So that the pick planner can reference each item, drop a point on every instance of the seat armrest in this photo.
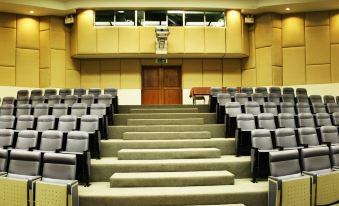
(58, 150)
(32, 148)
(30, 129)
(304, 145)
(8, 146)
(10, 128)
(327, 143)
(309, 173)
(280, 148)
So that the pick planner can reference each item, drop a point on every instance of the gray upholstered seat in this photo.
(3, 160)
(53, 99)
(275, 90)
(98, 109)
(329, 134)
(302, 91)
(215, 90)
(69, 100)
(285, 138)
(288, 90)
(23, 109)
(303, 107)
(95, 91)
(79, 92)
(111, 91)
(286, 120)
(323, 119)
(337, 99)
(308, 136)
(306, 120)
(232, 109)
(223, 98)
(6, 109)
(288, 98)
(59, 109)
(22, 93)
(319, 108)
(335, 155)
(315, 159)
(67, 123)
(232, 91)
(270, 107)
(328, 99)
(245, 124)
(287, 107)
(274, 97)
(37, 100)
(261, 139)
(266, 121)
(6, 137)
(22, 100)
(258, 97)
(24, 122)
(26, 139)
(105, 99)
(301, 98)
(35, 92)
(247, 90)
(79, 109)
(87, 99)
(242, 98)
(315, 99)
(45, 122)
(252, 108)
(40, 109)
(49, 92)
(336, 118)
(89, 123)
(8, 100)
(59, 166)
(77, 142)
(51, 140)
(332, 108)
(24, 164)
(64, 92)
(7, 122)
(279, 160)
(262, 90)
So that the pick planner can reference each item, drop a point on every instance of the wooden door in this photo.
(161, 85)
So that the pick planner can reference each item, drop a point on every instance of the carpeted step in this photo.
(126, 108)
(110, 148)
(165, 110)
(217, 130)
(186, 121)
(166, 135)
(158, 154)
(121, 119)
(243, 191)
(172, 179)
(102, 169)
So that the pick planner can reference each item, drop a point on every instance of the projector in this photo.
(69, 19)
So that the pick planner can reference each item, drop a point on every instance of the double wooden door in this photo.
(161, 85)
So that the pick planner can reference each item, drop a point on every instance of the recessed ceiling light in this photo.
(288, 9)
(31, 12)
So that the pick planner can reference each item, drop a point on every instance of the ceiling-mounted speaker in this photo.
(69, 19)
(249, 19)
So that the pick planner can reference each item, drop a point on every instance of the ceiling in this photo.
(64, 7)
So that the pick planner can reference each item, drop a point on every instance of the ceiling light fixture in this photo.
(288, 9)
(31, 12)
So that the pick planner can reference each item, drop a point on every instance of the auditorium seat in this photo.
(51, 141)
(7, 122)
(262, 90)
(23, 109)
(222, 99)
(318, 108)
(274, 97)
(329, 135)
(64, 92)
(315, 99)
(275, 90)
(49, 92)
(252, 108)
(37, 100)
(24, 122)
(247, 90)
(22, 100)
(45, 122)
(258, 97)
(306, 120)
(59, 109)
(288, 98)
(335, 117)
(301, 98)
(232, 109)
(335, 156)
(287, 107)
(99, 110)
(245, 124)
(79, 92)
(232, 91)
(6, 138)
(286, 139)
(106, 99)
(328, 99)
(95, 91)
(242, 98)
(53, 99)
(266, 121)
(288, 90)
(40, 109)
(79, 109)
(286, 120)
(301, 91)
(89, 123)
(67, 123)
(8, 100)
(6, 109)
(337, 99)
(303, 107)
(213, 98)
(323, 119)
(308, 136)
(36, 92)
(332, 108)
(22, 93)
(87, 99)
(27, 139)
(111, 91)
(270, 107)
(69, 100)
(3, 161)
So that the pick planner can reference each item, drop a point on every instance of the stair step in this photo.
(126, 108)
(220, 205)
(164, 110)
(186, 121)
(156, 154)
(166, 135)
(172, 179)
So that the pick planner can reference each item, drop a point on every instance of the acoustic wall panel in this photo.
(212, 73)
(57, 39)
(147, 40)
(264, 66)
(86, 34)
(8, 44)
(335, 62)
(130, 74)
(231, 72)
(7, 20)
(58, 73)
(334, 27)
(317, 45)
(249, 62)
(73, 79)
(214, 40)
(110, 65)
(71, 63)
(277, 78)
(45, 22)
(107, 40)
(194, 39)
(28, 32)
(191, 73)
(129, 40)
(7, 76)
(293, 30)
(276, 47)
(294, 66)
(176, 40)
(263, 31)
(90, 73)
(276, 21)
(110, 78)
(317, 18)
(234, 31)
(318, 74)
(249, 77)
(45, 53)
(27, 68)
(45, 77)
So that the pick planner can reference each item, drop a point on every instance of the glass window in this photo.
(125, 18)
(155, 18)
(194, 18)
(175, 18)
(215, 19)
(104, 18)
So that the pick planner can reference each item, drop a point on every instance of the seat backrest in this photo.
(35, 92)
(23, 162)
(77, 141)
(252, 108)
(67, 123)
(323, 119)
(332, 108)
(329, 134)
(22, 93)
(59, 166)
(98, 109)
(306, 120)
(7, 121)
(23, 109)
(315, 158)
(275, 90)
(105, 99)
(287, 107)
(40, 109)
(88, 99)
(270, 107)
(231, 90)
(49, 92)
(337, 99)
(288, 98)
(54, 99)
(64, 92)
(266, 121)
(8, 100)
(69, 100)
(24, 122)
(6, 137)
(261, 139)
(308, 135)
(286, 120)
(303, 107)
(37, 100)
(26, 139)
(233, 109)
(95, 91)
(301, 91)
(242, 98)
(274, 97)
(316, 99)
(51, 140)
(89, 123)
(45, 122)
(215, 90)
(6, 109)
(223, 98)
(288, 90)
(301, 98)
(328, 99)
(79, 92)
(335, 155)
(79, 109)
(335, 118)
(319, 108)
(285, 137)
(59, 110)
(284, 163)
(258, 97)
(247, 90)
(22, 100)
(245, 121)
(111, 91)
(262, 90)
(3, 160)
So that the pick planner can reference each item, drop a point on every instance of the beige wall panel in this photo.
(74, 38)
(86, 34)
(194, 39)
(58, 39)
(335, 62)
(110, 65)
(215, 40)
(129, 40)
(45, 78)
(7, 48)
(58, 68)
(249, 63)
(277, 57)
(231, 72)
(318, 74)
(317, 18)
(277, 75)
(107, 40)
(27, 68)
(334, 27)
(90, 73)
(245, 40)
(147, 39)
(7, 76)
(45, 23)
(234, 39)
(45, 53)
(57, 24)
(264, 66)
(249, 78)
(191, 73)
(110, 78)
(130, 74)
(317, 45)
(7, 20)
(176, 40)
(73, 79)
(263, 31)
(212, 73)
(294, 66)
(276, 21)
(28, 32)
(293, 30)
(71, 63)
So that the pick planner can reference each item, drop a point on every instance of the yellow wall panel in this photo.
(45, 77)
(294, 66)
(28, 32)
(57, 24)
(334, 27)
(212, 73)
(90, 73)
(231, 72)
(86, 34)
(45, 22)
(276, 21)
(130, 74)
(293, 30)
(58, 39)
(45, 54)
(73, 79)
(147, 39)
(7, 20)
(318, 74)
(74, 37)
(7, 48)
(7, 76)
(191, 73)
(110, 78)
(176, 40)
(317, 18)
(27, 68)
(71, 63)
(107, 40)
(214, 40)
(263, 31)
(129, 40)
(249, 78)
(335, 62)
(264, 66)
(276, 48)
(317, 45)
(110, 65)
(194, 39)
(234, 39)
(277, 75)
(249, 62)
(58, 68)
